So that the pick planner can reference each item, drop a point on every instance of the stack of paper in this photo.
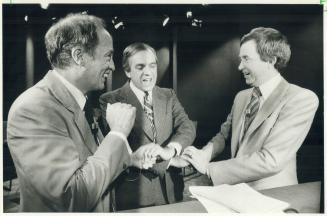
(236, 198)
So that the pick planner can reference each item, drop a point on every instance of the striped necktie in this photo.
(148, 109)
(252, 108)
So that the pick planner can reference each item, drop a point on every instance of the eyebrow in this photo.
(109, 52)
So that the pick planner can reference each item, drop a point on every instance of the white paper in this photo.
(240, 198)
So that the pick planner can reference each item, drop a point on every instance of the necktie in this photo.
(148, 109)
(88, 111)
(252, 108)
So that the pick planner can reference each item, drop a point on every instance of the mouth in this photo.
(246, 73)
(147, 80)
(105, 76)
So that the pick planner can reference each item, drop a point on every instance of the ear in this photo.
(77, 55)
(128, 74)
(273, 61)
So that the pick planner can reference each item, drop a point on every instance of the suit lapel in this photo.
(141, 121)
(240, 106)
(63, 95)
(269, 106)
(159, 108)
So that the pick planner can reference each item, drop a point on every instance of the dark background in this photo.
(207, 57)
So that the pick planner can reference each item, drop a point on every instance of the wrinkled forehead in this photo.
(143, 56)
(248, 48)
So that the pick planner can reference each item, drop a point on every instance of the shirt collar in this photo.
(268, 87)
(139, 93)
(76, 93)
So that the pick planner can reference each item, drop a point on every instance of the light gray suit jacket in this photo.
(59, 166)
(266, 156)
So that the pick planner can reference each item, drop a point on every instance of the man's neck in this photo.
(72, 75)
(268, 76)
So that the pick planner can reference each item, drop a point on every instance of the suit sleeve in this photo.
(285, 138)
(184, 129)
(219, 141)
(104, 100)
(51, 164)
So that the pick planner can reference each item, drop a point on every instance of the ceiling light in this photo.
(166, 20)
(189, 14)
(44, 5)
(117, 23)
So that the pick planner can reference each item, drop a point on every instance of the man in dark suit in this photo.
(59, 164)
(161, 125)
(268, 122)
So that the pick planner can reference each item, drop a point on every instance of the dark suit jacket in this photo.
(59, 166)
(266, 156)
(172, 125)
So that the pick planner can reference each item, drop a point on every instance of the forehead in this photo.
(249, 48)
(105, 40)
(144, 56)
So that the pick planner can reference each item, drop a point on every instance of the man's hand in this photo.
(121, 117)
(179, 162)
(153, 150)
(198, 158)
(140, 161)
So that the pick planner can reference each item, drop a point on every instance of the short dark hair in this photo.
(134, 48)
(270, 43)
(72, 30)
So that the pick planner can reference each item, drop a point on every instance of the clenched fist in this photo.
(121, 117)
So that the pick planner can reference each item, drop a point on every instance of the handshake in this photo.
(121, 118)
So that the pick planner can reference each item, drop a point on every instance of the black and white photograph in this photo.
(163, 107)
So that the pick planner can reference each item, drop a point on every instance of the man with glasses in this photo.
(267, 123)
(161, 126)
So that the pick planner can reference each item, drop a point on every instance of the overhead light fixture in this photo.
(44, 5)
(117, 23)
(196, 23)
(166, 20)
(26, 18)
(189, 14)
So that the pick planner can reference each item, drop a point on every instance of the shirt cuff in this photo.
(123, 137)
(176, 146)
(207, 172)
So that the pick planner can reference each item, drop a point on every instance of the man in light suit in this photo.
(268, 122)
(59, 164)
(161, 126)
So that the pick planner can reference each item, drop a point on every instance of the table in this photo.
(303, 197)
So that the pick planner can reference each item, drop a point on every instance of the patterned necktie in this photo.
(88, 111)
(252, 109)
(148, 109)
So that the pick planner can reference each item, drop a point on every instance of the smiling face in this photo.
(99, 66)
(255, 70)
(143, 70)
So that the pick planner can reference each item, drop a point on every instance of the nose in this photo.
(147, 71)
(240, 66)
(112, 65)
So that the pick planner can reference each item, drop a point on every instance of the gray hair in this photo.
(270, 43)
(73, 30)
